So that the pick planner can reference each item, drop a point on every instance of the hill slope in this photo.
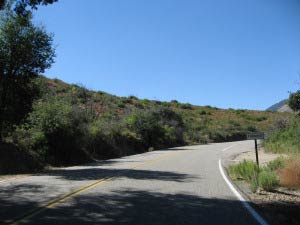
(202, 123)
(70, 124)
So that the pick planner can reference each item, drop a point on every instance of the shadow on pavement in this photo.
(16, 199)
(132, 207)
(281, 212)
(99, 173)
(21, 189)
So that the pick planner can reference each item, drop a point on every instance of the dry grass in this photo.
(290, 174)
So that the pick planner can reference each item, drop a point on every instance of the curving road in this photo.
(178, 186)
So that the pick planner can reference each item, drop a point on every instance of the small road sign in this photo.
(256, 136)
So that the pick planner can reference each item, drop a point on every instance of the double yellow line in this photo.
(63, 198)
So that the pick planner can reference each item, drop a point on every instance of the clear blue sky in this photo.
(225, 53)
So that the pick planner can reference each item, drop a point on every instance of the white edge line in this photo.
(240, 197)
(225, 149)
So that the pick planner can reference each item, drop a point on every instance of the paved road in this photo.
(179, 186)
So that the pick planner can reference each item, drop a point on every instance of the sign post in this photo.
(256, 152)
(255, 137)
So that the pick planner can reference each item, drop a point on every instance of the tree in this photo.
(25, 52)
(157, 128)
(21, 6)
(294, 101)
(2, 4)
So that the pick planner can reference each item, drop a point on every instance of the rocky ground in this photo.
(281, 207)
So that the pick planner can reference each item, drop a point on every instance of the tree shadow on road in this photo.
(148, 208)
(17, 198)
(280, 212)
(99, 173)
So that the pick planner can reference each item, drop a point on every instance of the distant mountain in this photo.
(281, 106)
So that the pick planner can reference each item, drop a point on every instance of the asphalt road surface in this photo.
(179, 186)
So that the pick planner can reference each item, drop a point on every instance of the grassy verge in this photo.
(283, 172)
(258, 177)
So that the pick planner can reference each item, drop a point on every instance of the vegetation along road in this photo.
(184, 185)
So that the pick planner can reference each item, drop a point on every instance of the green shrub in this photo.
(82, 94)
(55, 130)
(276, 164)
(108, 139)
(156, 128)
(246, 170)
(240, 111)
(165, 104)
(139, 105)
(257, 177)
(132, 97)
(285, 139)
(261, 118)
(234, 123)
(57, 81)
(121, 105)
(254, 184)
(31, 140)
(144, 104)
(157, 102)
(61, 89)
(101, 93)
(268, 180)
(251, 129)
(294, 101)
(147, 125)
(127, 100)
(185, 106)
(202, 112)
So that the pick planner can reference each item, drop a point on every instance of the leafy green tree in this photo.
(25, 52)
(2, 4)
(157, 128)
(55, 130)
(22, 7)
(148, 126)
(294, 101)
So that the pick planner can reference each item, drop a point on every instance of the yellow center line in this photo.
(63, 198)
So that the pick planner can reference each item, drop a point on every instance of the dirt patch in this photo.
(264, 157)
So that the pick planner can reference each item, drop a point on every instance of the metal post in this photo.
(256, 152)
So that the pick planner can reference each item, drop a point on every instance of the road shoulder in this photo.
(280, 207)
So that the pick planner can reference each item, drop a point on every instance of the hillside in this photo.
(280, 107)
(210, 119)
(70, 124)
(202, 123)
